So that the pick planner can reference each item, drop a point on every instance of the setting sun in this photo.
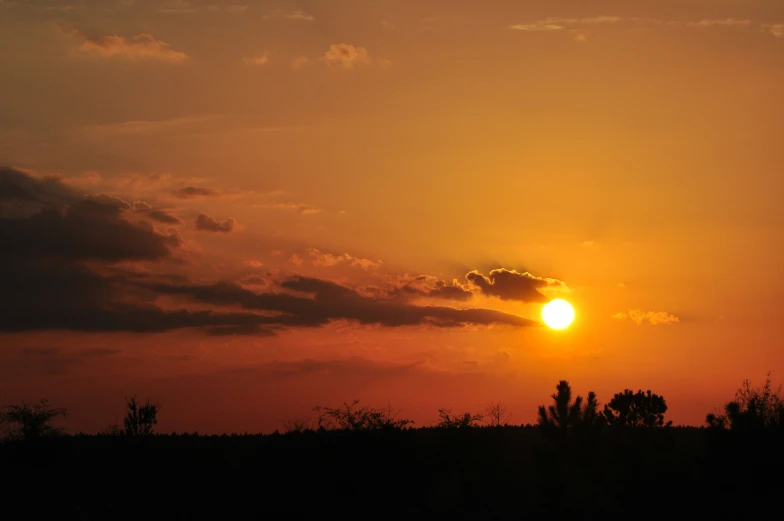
(558, 314)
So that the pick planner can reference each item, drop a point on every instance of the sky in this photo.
(247, 209)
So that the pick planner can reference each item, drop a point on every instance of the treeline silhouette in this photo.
(353, 461)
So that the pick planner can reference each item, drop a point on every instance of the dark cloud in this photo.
(511, 285)
(155, 214)
(209, 224)
(108, 200)
(22, 195)
(59, 255)
(324, 301)
(432, 287)
(192, 192)
(47, 295)
(61, 225)
(162, 217)
(45, 280)
(84, 231)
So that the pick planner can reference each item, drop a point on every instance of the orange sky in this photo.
(247, 209)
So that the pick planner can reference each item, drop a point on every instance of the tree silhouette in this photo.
(351, 417)
(31, 421)
(754, 408)
(566, 415)
(457, 421)
(640, 409)
(140, 418)
(497, 414)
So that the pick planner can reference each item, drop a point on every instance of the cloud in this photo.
(346, 56)
(512, 285)
(140, 46)
(653, 318)
(79, 262)
(92, 228)
(297, 15)
(258, 60)
(193, 192)
(325, 301)
(208, 224)
(776, 30)
(302, 209)
(579, 24)
(537, 26)
(107, 199)
(52, 252)
(725, 22)
(185, 7)
(162, 217)
(318, 258)
(557, 24)
(432, 287)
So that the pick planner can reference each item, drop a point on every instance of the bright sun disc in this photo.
(558, 314)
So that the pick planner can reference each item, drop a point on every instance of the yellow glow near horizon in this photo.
(558, 314)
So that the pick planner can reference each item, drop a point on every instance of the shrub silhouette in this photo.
(351, 417)
(457, 421)
(754, 408)
(566, 415)
(31, 421)
(140, 418)
(640, 409)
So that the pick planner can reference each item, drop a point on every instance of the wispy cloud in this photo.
(132, 127)
(303, 209)
(725, 22)
(557, 24)
(776, 30)
(185, 7)
(140, 46)
(207, 223)
(319, 258)
(347, 56)
(575, 24)
(258, 60)
(653, 318)
(297, 15)
(192, 192)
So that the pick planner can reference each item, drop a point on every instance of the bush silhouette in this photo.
(458, 421)
(640, 409)
(351, 417)
(31, 421)
(754, 408)
(140, 418)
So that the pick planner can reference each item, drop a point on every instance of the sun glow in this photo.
(558, 314)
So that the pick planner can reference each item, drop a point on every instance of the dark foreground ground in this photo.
(474, 473)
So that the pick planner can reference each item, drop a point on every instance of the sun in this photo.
(558, 314)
